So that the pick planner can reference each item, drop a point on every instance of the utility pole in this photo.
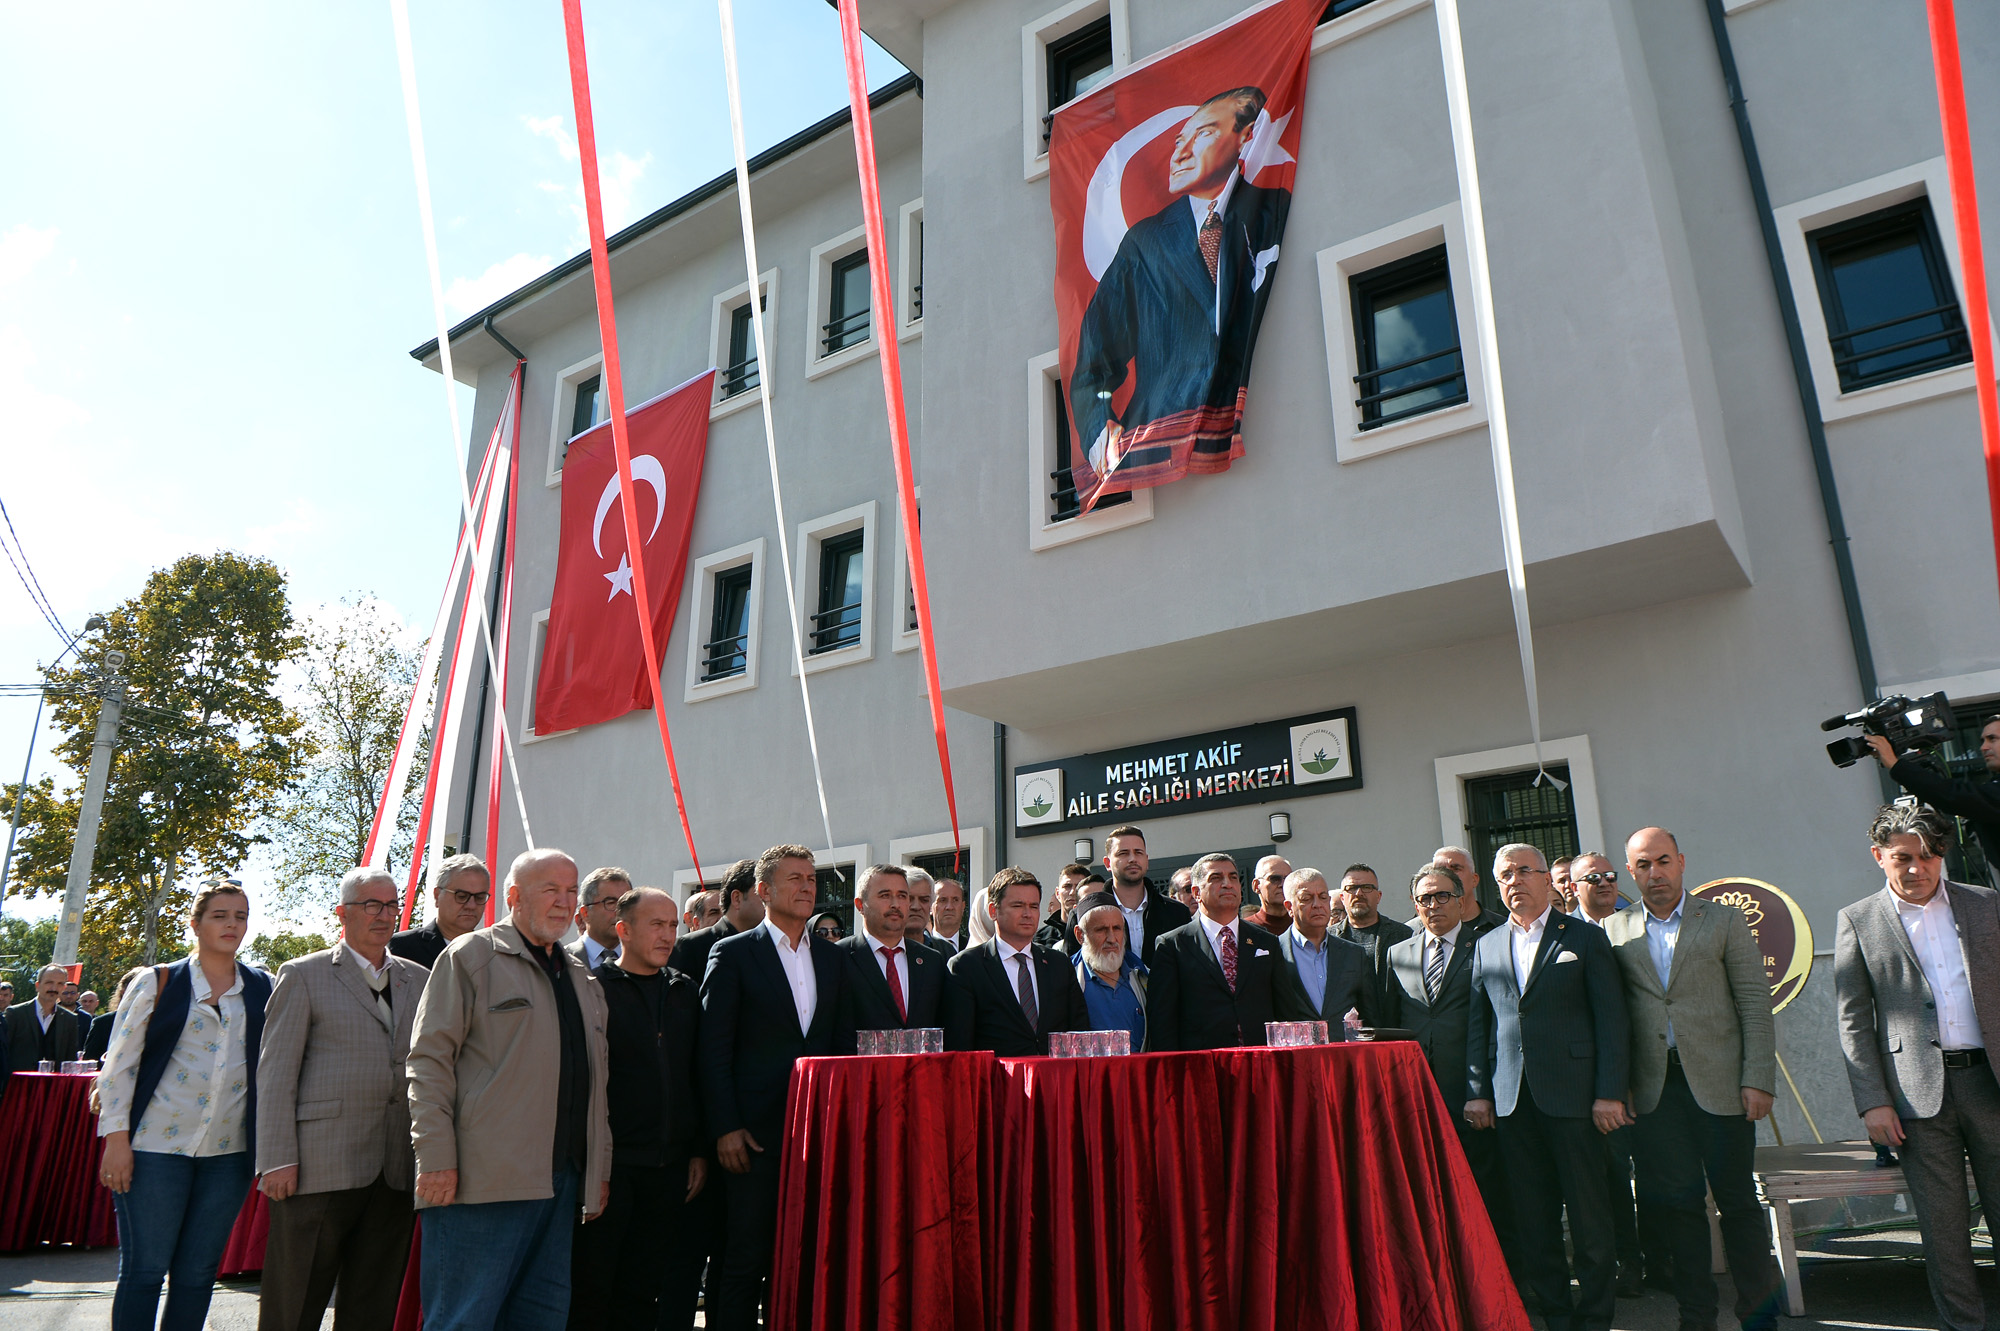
(110, 708)
(94, 623)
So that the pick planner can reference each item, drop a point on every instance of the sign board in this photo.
(1306, 755)
(1779, 926)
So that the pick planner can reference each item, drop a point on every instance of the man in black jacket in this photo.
(1978, 802)
(1149, 913)
(1014, 992)
(1217, 980)
(42, 1029)
(891, 982)
(742, 911)
(464, 886)
(652, 1014)
(1361, 894)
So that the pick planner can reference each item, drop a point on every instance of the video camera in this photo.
(1921, 723)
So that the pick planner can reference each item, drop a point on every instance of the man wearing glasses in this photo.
(464, 886)
(597, 916)
(1596, 884)
(1273, 914)
(333, 1119)
(1361, 894)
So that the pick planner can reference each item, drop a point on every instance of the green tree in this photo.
(25, 947)
(272, 950)
(206, 748)
(352, 683)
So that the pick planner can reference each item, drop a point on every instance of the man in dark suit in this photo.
(1216, 980)
(464, 886)
(1013, 991)
(1547, 1048)
(1149, 913)
(742, 911)
(947, 917)
(1916, 974)
(770, 997)
(1180, 302)
(1430, 995)
(596, 939)
(1326, 975)
(1361, 894)
(42, 1028)
(891, 982)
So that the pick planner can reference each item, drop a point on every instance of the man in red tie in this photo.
(1214, 980)
(892, 983)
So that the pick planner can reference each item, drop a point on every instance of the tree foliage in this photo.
(206, 748)
(272, 950)
(351, 685)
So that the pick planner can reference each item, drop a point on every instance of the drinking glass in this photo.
(45, 1065)
(870, 1042)
(930, 1040)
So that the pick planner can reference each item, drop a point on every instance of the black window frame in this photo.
(1366, 292)
(840, 331)
(739, 375)
(832, 627)
(1068, 56)
(1339, 7)
(917, 258)
(727, 655)
(588, 392)
(1914, 217)
(836, 884)
(1063, 503)
(1486, 832)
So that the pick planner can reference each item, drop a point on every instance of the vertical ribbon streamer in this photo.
(440, 719)
(727, 16)
(892, 381)
(1971, 252)
(1459, 107)
(493, 769)
(614, 387)
(399, 15)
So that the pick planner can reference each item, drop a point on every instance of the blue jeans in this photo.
(173, 1224)
(492, 1265)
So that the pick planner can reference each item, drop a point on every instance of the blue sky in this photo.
(211, 272)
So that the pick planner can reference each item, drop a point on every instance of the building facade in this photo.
(1691, 629)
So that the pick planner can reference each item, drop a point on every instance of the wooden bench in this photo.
(1787, 1174)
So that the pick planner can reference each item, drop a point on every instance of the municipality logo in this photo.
(1038, 797)
(1320, 752)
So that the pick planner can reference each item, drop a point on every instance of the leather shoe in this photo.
(1631, 1284)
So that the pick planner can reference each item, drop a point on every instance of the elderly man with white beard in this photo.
(1113, 980)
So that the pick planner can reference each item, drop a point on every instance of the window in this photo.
(579, 405)
(1509, 807)
(917, 287)
(1891, 310)
(910, 270)
(1339, 7)
(732, 340)
(584, 412)
(937, 853)
(726, 651)
(847, 304)
(838, 873)
(538, 638)
(739, 375)
(1077, 63)
(1064, 54)
(837, 622)
(1063, 503)
(1053, 513)
(1406, 340)
(906, 637)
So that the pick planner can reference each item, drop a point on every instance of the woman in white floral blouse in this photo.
(177, 1109)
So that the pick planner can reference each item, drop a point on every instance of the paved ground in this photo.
(1864, 1283)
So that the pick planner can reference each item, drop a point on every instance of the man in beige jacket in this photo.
(1704, 1070)
(508, 1110)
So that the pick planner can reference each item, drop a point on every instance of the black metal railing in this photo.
(916, 302)
(1948, 335)
(836, 627)
(1063, 501)
(740, 377)
(724, 657)
(846, 331)
(1370, 403)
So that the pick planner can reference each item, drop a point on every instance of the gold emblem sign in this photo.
(1783, 937)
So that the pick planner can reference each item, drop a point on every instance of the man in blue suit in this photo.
(1546, 1047)
(771, 997)
(1180, 303)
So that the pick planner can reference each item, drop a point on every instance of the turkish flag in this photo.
(593, 664)
(1170, 185)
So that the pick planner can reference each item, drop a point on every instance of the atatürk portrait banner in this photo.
(1170, 184)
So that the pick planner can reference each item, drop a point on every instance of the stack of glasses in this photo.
(1089, 1044)
(922, 1040)
(1294, 1034)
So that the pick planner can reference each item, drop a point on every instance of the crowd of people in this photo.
(591, 1131)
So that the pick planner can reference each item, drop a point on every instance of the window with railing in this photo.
(740, 374)
(1508, 807)
(1339, 7)
(726, 653)
(1406, 340)
(1891, 308)
(1063, 502)
(837, 621)
(917, 268)
(847, 304)
(583, 413)
(1077, 63)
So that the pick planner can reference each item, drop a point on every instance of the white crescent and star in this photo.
(647, 468)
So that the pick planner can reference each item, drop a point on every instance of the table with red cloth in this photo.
(1242, 1188)
(49, 1151)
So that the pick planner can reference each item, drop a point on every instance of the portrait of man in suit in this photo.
(1177, 310)
(1015, 992)
(42, 1029)
(1327, 975)
(892, 983)
(1219, 978)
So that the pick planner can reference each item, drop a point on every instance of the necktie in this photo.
(895, 981)
(1228, 942)
(1210, 239)
(1025, 987)
(1434, 969)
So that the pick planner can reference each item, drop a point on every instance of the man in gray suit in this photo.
(333, 1121)
(1916, 973)
(1704, 1070)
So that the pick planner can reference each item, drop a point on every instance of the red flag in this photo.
(1170, 185)
(593, 664)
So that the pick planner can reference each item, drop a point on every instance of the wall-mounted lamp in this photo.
(1082, 849)
(1281, 827)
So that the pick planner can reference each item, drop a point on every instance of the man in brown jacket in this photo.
(508, 1110)
(333, 1121)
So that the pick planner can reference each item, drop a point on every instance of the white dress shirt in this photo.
(797, 959)
(1527, 944)
(1215, 932)
(1013, 970)
(46, 1017)
(1201, 209)
(198, 1107)
(1934, 937)
(902, 958)
(368, 968)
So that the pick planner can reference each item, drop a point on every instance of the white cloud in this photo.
(551, 128)
(22, 248)
(618, 178)
(468, 294)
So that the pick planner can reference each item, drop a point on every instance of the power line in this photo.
(25, 571)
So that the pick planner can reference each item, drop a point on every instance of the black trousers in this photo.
(1683, 1153)
(1552, 1163)
(628, 1267)
(1482, 1152)
(358, 1238)
(750, 1202)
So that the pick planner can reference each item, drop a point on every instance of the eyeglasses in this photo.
(1594, 879)
(374, 908)
(1513, 871)
(469, 898)
(1435, 900)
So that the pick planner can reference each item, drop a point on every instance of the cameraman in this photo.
(1978, 802)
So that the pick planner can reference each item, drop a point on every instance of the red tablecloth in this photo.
(49, 1150)
(1254, 1188)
